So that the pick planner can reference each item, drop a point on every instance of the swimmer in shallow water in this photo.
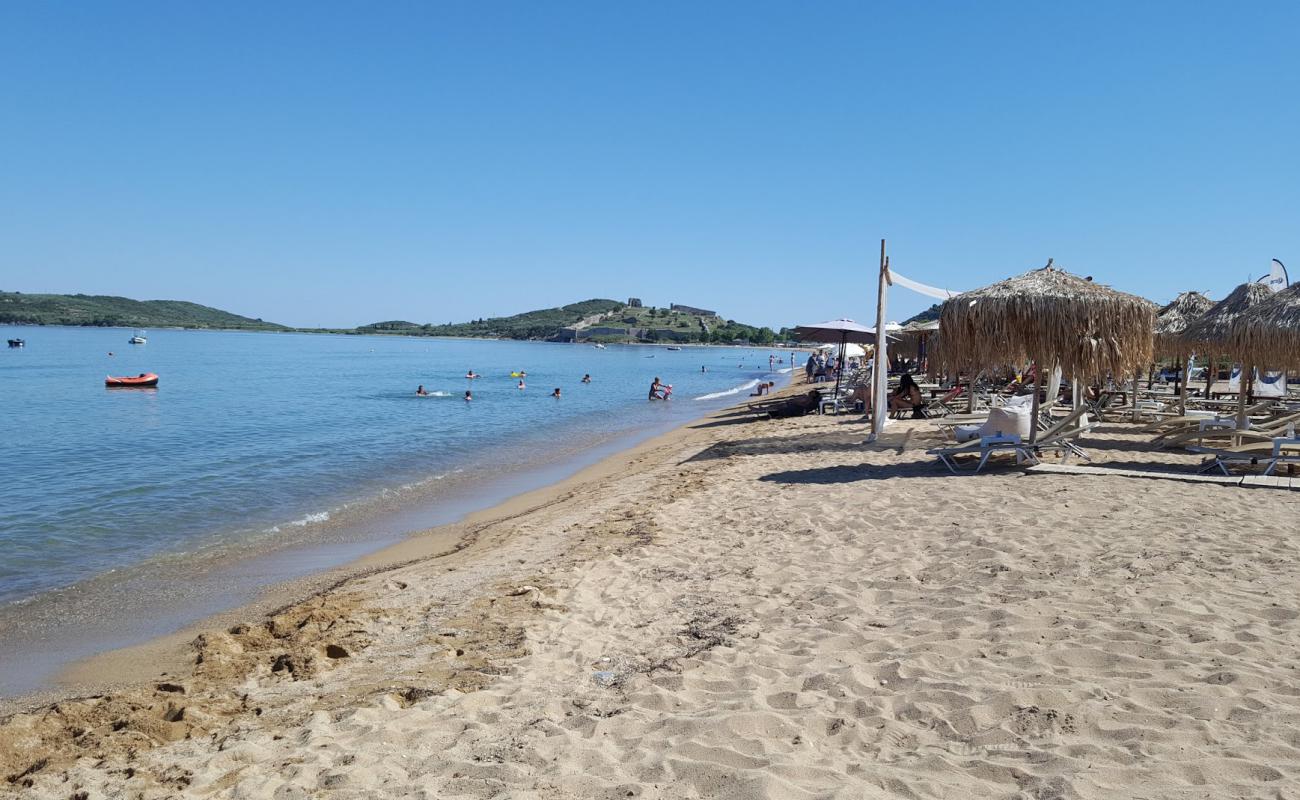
(556, 393)
(419, 390)
(468, 395)
(521, 385)
(586, 378)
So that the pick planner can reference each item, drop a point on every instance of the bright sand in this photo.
(763, 609)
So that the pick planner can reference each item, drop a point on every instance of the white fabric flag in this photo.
(920, 288)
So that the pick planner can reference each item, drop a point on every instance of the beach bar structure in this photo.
(1050, 318)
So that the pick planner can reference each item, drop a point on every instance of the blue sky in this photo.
(340, 163)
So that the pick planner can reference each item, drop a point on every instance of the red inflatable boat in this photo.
(143, 379)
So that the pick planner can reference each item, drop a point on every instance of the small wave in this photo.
(744, 387)
(311, 519)
(784, 370)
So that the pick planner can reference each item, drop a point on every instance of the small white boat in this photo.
(139, 338)
(598, 346)
(674, 348)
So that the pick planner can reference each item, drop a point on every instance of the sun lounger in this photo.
(984, 447)
(1061, 435)
(1228, 429)
(1192, 419)
(1281, 450)
(939, 406)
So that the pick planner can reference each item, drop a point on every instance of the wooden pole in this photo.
(1182, 387)
(880, 378)
(1211, 372)
(1243, 389)
(1136, 374)
(1033, 414)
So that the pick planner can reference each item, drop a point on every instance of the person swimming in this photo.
(468, 395)
(521, 385)
(586, 378)
(556, 393)
(419, 390)
(471, 375)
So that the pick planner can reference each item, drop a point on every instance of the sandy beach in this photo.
(744, 609)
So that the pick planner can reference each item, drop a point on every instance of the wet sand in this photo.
(743, 609)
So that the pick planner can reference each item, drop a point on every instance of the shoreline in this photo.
(120, 667)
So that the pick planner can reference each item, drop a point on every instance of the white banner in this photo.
(921, 288)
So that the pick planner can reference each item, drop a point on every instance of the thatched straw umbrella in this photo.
(913, 339)
(1269, 333)
(1172, 320)
(1050, 317)
(1213, 333)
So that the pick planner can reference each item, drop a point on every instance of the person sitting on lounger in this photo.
(907, 397)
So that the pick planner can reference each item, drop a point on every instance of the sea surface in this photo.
(262, 456)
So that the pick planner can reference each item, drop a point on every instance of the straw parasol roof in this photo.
(1268, 334)
(1213, 329)
(1174, 318)
(1048, 316)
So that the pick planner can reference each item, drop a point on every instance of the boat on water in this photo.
(17, 343)
(674, 348)
(598, 346)
(139, 338)
(143, 380)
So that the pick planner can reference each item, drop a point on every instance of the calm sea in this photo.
(312, 446)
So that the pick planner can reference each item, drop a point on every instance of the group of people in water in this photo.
(420, 391)
(658, 389)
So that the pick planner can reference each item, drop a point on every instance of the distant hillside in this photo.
(541, 324)
(593, 320)
(17, 308)
(929, 315)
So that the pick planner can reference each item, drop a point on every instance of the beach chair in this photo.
(1061, 435)
(1281, 450)
(941, 406)
(984, 447)
(1227, 428)
(1192, 420)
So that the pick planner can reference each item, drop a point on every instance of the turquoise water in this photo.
(257, 440)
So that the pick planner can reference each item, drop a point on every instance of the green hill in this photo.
(17, 308)
(592, 320)
(541, 324)
(929, 315)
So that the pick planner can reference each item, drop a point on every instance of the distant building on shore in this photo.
(634, 302)
(703, 312)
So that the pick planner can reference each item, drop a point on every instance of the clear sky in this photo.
(327, 163)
